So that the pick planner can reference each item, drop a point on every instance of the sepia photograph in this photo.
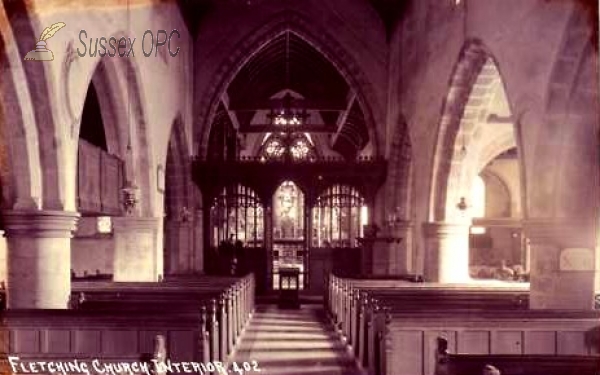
(299, 187)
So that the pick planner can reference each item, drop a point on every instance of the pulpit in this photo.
(289, 287)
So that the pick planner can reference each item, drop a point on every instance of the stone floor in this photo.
(293, 342)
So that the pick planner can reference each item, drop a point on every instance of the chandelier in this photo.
(288, 112)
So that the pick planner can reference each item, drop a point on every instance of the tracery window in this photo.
(302, 149)
(237, 213)
(338, 217)
(273, 149)
(298, 146)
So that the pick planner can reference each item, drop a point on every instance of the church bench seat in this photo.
(65, 335)
(393, 328)
(407, 339)
(229, 301)
(349, 297)
(511, 364)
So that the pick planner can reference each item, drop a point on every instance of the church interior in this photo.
(375, 187)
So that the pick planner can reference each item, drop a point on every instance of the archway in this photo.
(100, 172)
(476, 127)
(288, 111)
(319, 47)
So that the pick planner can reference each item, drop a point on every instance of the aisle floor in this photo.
(294, 342)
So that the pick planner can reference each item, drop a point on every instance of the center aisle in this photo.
(293, 342)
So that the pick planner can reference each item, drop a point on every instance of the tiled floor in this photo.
(293, 342)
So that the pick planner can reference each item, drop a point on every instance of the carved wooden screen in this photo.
(237, 212)
(338, 217)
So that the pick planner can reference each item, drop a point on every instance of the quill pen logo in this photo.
(41, 53)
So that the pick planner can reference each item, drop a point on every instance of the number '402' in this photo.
(245, 367)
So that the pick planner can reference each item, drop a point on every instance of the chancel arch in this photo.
(323, 53)
(289, 126)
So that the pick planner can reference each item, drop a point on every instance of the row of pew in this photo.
(196, 320)
(393, 325)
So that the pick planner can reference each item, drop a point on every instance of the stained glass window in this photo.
(297, 145)
(302, 149)
(273, 148)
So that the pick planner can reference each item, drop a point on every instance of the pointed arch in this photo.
(20, 151)
(318, 38)
(457, 140)
(51, 149)
(566, 162)
(121, 104)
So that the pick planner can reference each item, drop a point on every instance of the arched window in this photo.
(288, 207)
(237, 213)
(338, 217)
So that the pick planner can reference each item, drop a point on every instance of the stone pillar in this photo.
(563, 264)
(447, 252)
(39, 258)
(137, 253)
(179, 245)
(384, 254)
(401, 250)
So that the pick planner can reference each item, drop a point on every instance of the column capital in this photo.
(561, 231)
(40, 223)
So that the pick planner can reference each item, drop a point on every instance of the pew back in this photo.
(60, 335)
(392, 325)
(510, 364)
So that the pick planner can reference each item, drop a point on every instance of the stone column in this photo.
(402, 250)
(564, 264)
(447, 252)
(39, 258)
(137, 252)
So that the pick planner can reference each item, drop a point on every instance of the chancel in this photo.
(381, 187)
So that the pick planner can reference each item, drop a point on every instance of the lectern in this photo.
(289, 287)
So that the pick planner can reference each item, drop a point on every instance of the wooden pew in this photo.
(507, 364)
(353, 300)
(228, 302)
(65, 335)
(377, 324)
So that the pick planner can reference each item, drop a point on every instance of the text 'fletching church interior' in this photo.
(373, 187)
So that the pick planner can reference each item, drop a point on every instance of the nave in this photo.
(290, 342)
